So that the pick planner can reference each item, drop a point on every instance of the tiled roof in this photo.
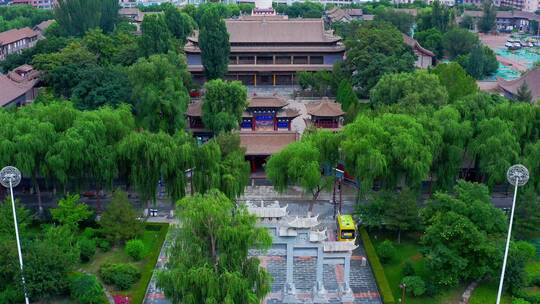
(14, 35)
(266, 102)
(14, 85)
(324, 108)
(42, 26)
(266, 143)
(415, 45)
(288, 112)
(532, 79)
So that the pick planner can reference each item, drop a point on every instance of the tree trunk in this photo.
(399, 236)
(38, 192)
(315, 196)
(213, 251)
(98, 202)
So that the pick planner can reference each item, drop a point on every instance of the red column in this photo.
(289, 124)
(253, 123)
(275, 123)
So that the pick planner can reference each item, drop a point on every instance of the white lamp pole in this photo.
(11, 177)
(518, 176)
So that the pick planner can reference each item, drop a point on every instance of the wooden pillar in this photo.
(274, 79)
(253, 123)
(255, 79)
(252, 163)
(292, 79)
(275, 122)
(289, 124)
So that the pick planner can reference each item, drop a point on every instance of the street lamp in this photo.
(518, 176)
(11, 177)
(403, 287)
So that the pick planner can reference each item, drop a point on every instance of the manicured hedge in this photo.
(151, 258)
(378, 270)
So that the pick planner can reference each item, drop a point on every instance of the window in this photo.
(300, 60)
(316, 60)
(246, 60)
(265, 60)
(283, 59)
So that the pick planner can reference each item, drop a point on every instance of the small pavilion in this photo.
(511, 87)
(325, 114)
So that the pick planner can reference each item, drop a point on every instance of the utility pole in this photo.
(11, 177)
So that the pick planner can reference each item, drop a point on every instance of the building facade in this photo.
(18, 87)
(16, 40)
(270, 50)
(44, 4)
(510, 88)
(508, 21)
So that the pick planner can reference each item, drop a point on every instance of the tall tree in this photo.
(487, 22)
(155, 37)
(409, 90)
(119, 222)
(158, 91)
(524, 93)
(70, 212)
(456, 81)
(527, 224)
(432, 40)
(179, 23)
(346, 95)
(214, 43)
(458, 42)
(375, 49)
(223, 105)
(75, 17)
(209, 261)
(402, 21)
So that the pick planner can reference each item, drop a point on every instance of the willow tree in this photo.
(153, 156)
(223, 105)
(75, 17)
(209, 261)
(33, 140)
(214, 43)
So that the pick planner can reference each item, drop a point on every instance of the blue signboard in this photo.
(283, 124)
(246, 124)
(264, 117)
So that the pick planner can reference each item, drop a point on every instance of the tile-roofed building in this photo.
(338, 14)
(509, 20)
(16, 40)
(18, 87)
(531, 78)
(424, 57)
(44, 4)
(265, 143)
(269, 50)
(326, 114)
(41, 27)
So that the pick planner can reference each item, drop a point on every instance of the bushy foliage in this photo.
(386, 251)
(86, 289)
(135, 249)
(415, 285)
(119, 222)
(120, 275)
(87, 248)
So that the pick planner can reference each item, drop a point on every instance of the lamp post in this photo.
(517, 175)
(403, 287)
(11, 177)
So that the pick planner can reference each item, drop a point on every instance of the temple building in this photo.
(325, 114)
(267, 49)
(265, 129)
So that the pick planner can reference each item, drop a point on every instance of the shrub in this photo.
(104, 245)
(520, 301)
(408, 269)
(87, 249)
(88, 233)
(135, 249)
(120, 275)
(378, 270)
(386, 251)
(415, 285)
(85, 289)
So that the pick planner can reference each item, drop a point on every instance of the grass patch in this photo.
(153, 238)
(486, 292)
(409, 251)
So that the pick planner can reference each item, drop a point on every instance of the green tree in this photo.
(223, 105)
(70, 211)
(459, 42)
(462, 234)
(496, 148)
(456, 81)
(150, 157)
(214, 44)
(86, 289)
(155, 37)
(75, 17)
(439, 16)
(179, 23)
(527, 220)
(215, 247)
(346, 95)
(467, 22)
(375, 49)
(402, 21)
(119, 222)
(487, 22)
(432, 40)
(516, 276)
(409, 90)
(524, 93)
(159, 94)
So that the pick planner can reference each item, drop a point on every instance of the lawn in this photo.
(153, 238)
(486, 292)
(408, 250)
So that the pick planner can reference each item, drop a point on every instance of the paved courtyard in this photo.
(362, 282)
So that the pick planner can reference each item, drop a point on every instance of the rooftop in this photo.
(42, 26)
(532, 79)
(266, 143)
(324, 108)
(14, 35)
(16, 83)
(266, 102)
(415, 45)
